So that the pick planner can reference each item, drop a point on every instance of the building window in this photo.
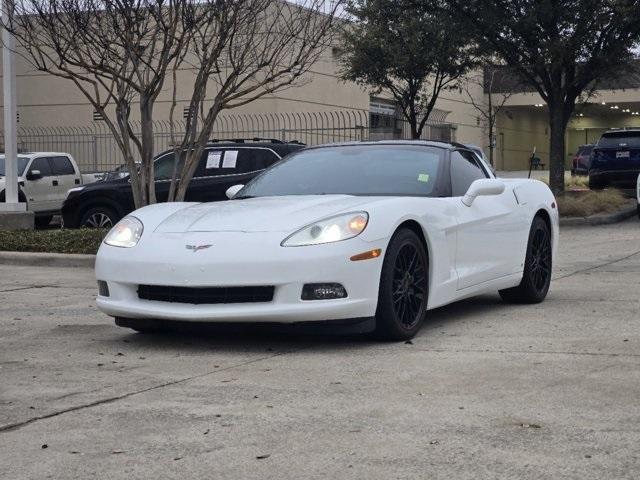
(186, 113)
(383, 118)
(97, 116)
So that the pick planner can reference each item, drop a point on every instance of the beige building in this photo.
(54, 115)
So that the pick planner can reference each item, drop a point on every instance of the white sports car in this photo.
(367, 235)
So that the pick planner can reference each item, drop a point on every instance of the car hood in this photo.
(262, 214)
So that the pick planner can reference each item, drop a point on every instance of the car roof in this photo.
(426, 143)
(39, 154)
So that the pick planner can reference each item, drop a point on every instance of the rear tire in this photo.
(99, 217)
(595, 184)
(404, 288)
(536, 277)
(43, 221)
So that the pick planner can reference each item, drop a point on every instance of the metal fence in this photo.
(94, 148)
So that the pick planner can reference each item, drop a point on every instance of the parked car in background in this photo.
(615, 160)
(44, 179)
(223, 164)
(582, 160)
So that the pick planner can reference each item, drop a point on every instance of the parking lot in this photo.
(486, 390)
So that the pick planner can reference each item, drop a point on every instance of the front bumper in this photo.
(625, 179)
(238, 259)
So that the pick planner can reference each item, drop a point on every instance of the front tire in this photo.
(536, 277)
(43, 221)
(404, 288)
(99, 217)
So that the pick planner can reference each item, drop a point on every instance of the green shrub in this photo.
(84, 240)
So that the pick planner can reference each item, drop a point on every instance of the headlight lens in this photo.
(332, 229)
(125, 234)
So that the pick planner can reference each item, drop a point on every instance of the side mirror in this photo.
(34, 175)
(233, 191)
(484, 187)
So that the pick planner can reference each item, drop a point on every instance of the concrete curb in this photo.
(47, 259)
(599, 219)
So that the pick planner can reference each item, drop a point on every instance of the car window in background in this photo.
(585, 150)
(352, 170)
(163, 167)
(42, 165)
(465, 170)
(236, 161)
(22, 164)
(62, 166)
(620, 139)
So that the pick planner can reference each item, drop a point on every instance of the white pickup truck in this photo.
(44, 179)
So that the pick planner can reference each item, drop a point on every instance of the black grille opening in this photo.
(206, 295)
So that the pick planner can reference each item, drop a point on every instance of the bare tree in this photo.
(239, 54)
(490, 104)
(117, 54)
(121, 54)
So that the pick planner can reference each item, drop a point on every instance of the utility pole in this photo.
(13, 214)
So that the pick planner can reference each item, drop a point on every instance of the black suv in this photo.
(615, 161)
(223, 164)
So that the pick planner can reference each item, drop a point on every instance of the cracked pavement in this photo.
(486, 390)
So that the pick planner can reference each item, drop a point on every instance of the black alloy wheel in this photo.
(536, 277)
(404, 288)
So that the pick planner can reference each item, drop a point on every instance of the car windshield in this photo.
(620, 139)
(22, 164)
(352, 170)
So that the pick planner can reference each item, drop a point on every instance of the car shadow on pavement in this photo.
(253, 337)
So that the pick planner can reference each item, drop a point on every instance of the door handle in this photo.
(77, 182)
(55, 183)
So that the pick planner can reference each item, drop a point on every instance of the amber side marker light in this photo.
(367, 255)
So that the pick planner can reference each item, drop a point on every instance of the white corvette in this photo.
(370, 235)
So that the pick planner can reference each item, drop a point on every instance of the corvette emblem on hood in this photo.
(196, 248)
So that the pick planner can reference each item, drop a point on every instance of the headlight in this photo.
(125, 234)
(332, 229)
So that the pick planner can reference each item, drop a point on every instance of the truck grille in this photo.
(206, 295)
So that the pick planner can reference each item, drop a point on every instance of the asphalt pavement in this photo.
(486, 390)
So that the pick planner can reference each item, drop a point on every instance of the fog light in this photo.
(323, 291)
(103, 288)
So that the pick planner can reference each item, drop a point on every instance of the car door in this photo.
(40, 190)
(65, 178)
(489, 231)
(221, 168)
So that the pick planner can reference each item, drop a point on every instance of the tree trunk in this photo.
(491, 144)
(146, 134)
(413, 123)
(558, 127)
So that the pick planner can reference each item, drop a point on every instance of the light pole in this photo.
(11, 209)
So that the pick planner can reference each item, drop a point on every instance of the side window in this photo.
(163, 167)
(230, 161)
(211, 163)
(464, 171)
(247, 159)
(41, 164)
(62, 166)
(264, 159)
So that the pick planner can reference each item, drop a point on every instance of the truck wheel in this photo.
(595, 184)
(98, 217)
(43, 221)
